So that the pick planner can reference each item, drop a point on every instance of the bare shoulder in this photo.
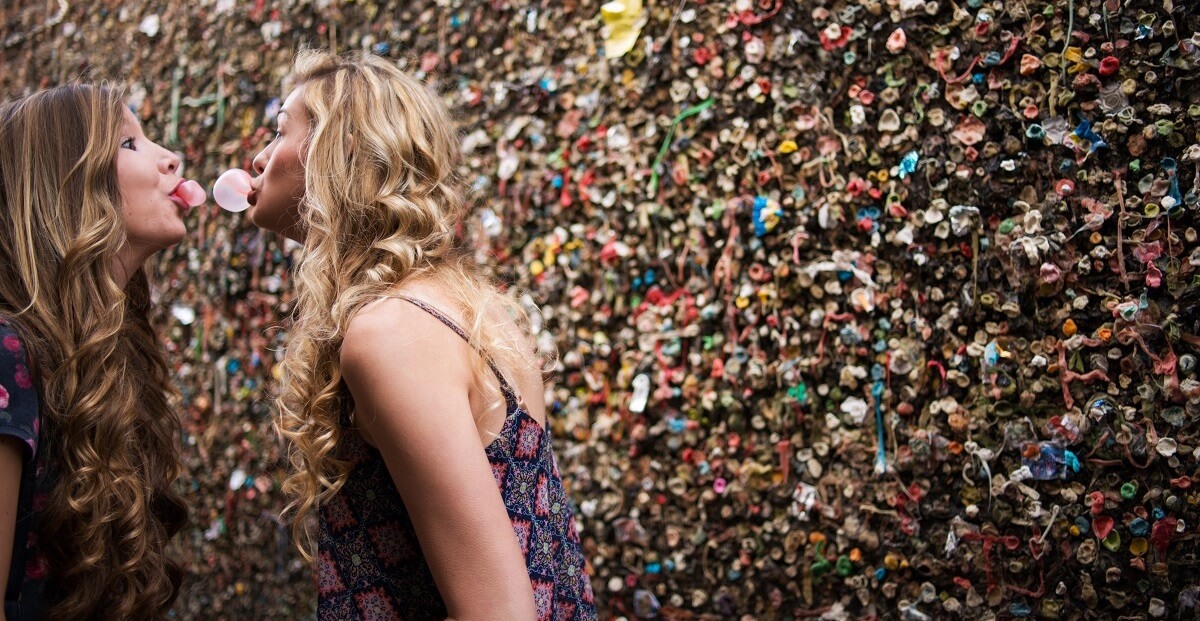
(394, 332)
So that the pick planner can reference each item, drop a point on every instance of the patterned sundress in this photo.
(370, 564)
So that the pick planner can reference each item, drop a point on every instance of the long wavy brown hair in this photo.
(108, 431)
(379, 208)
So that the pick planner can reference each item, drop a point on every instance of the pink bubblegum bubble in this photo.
(231, 189)
(191, 193)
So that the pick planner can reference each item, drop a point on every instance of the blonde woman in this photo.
(411, 397)
(88, 444)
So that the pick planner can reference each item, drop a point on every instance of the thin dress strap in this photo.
(511, 399)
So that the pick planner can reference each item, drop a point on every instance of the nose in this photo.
(259, 164)
(170, 162)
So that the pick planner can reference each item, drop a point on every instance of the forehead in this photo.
(128, 120)
(293, 108)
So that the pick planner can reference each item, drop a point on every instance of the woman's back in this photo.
(369, 558)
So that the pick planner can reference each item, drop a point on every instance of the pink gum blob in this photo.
(191, 193)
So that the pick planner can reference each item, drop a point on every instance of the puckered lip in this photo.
(174, 195)
(252, 197)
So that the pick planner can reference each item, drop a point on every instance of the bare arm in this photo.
(409, 376)
(12, 460)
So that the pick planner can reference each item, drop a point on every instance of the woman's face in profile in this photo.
(148, 175)
(279, 187)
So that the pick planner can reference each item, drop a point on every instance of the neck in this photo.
(126, 264)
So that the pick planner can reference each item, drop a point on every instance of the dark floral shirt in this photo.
(20, 419)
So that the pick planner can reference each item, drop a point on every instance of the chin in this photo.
(273, 222)
(253, 213)
(169, 242)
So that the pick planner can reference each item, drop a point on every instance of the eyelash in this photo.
(128, 144)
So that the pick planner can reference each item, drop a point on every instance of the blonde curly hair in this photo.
(382, 205)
